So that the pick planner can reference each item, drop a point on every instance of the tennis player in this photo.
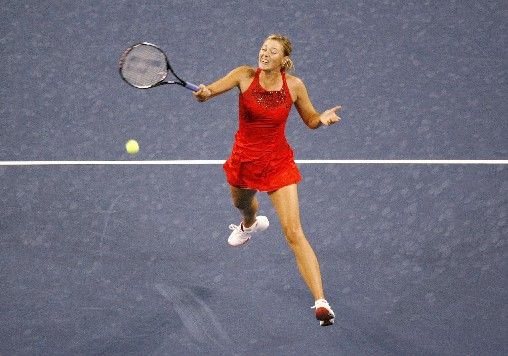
(262, 159)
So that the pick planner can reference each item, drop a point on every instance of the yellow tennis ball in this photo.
(132, 147)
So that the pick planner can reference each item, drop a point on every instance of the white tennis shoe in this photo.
(241, 235)
(324, 312)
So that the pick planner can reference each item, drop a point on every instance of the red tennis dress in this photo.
(261, 157)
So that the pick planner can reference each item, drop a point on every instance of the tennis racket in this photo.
(144, 66)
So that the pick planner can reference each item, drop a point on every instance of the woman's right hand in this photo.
(203, 94)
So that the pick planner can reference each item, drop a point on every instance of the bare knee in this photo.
(242, 198)
(294, 234)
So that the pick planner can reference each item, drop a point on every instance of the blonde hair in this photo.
(287, 48)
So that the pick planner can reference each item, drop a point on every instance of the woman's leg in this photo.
(245, 200)
(285, 202)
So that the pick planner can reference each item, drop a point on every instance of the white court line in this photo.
(216, 162)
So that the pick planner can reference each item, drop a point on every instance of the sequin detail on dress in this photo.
(270, 99)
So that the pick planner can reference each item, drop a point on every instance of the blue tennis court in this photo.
(115, 259)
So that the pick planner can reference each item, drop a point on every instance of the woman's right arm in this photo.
(231, 80)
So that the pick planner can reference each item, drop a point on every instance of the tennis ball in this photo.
(132, 147)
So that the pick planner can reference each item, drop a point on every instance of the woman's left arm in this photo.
(309, 115)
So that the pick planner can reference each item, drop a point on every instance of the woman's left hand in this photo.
(329, 117)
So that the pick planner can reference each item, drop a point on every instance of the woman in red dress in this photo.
(261, 158)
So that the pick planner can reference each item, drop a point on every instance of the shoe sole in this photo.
(243, 243)
(324, 317)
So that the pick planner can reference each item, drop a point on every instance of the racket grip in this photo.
(191, 86)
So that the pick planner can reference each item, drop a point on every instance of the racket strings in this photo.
(143, 66)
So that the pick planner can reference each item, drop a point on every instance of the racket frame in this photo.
(164, 80)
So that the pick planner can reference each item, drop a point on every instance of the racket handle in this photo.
(191, 86)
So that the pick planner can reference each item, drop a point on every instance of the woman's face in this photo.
(271, 56)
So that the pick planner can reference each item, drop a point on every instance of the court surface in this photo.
(113, 259)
